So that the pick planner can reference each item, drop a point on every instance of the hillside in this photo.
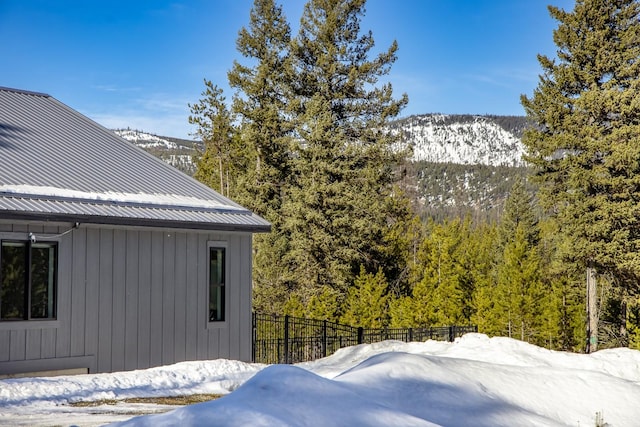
(177, 152)
(461, 164)
(464, 139)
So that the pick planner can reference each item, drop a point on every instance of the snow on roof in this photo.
(164, 200)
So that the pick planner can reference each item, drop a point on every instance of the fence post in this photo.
(254, 337)
(286, 339)
(360, 334)
(410, 335)
(324, 338)
(451, 333)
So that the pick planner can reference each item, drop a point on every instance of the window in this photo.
(28, 273)
(216, 284)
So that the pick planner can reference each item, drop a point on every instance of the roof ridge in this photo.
(25, 92)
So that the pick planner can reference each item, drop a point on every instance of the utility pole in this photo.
(592, 311)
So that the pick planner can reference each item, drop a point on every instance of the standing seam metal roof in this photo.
(45, 144)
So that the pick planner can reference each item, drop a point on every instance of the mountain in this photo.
(177, 152)
(464, 139)
(461, 164)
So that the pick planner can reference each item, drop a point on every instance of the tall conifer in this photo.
(586, 142)
(263, 93)
(341, 205)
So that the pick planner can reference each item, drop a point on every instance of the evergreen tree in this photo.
(261, 102)
(442, 293)
(564, 282)
(223, 158)
(484, 244)
(340, 206)
(518, 211)
(585, 143)
(520, 297)
(367, 301)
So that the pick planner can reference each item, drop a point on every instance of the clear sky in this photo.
(139, 63)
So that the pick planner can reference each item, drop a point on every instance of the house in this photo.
(110, 259)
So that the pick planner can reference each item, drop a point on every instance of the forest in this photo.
(306, 143)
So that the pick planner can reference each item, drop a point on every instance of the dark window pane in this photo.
(13, 259)
(43, 273)
(216, 284)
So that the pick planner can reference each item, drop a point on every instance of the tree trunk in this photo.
(592, 311)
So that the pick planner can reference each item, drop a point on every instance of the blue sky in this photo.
(139, 63)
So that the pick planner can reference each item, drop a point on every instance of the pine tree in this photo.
(441, 294)
(339, 210)
(367, 300)
(520, 297)
(223, 158)
(261, 100)
(584, 144)
(261, 103)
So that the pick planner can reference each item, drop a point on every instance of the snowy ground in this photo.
(475, 381)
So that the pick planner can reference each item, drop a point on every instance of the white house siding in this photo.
(132, 298)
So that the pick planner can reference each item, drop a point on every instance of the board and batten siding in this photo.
(132, 298)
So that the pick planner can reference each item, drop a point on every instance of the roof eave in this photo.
(134, 222)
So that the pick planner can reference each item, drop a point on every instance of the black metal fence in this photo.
(288, 339)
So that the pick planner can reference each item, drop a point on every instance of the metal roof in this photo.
(46, 145)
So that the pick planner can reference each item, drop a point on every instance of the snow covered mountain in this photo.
(461, 163)
(435, 138)
(177, 152)
(146, 140)
(464, 139)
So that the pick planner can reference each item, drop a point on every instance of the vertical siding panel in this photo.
(131, 302)
(17, 346)
(246, 332)
(118, 304)
(156, 298)
(168, 295)
(144, 299)
(234, 304)
(105, 300)
(49, 337)
(92, 295)
(79, 263)
(5, 341)
(214, 343)
(33, 341)
(192, 254)
(180, 297)
(61, 345)
(203, 304)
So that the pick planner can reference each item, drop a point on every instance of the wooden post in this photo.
(592, 311)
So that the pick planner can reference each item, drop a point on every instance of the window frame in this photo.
(28, 285)
(211, 245)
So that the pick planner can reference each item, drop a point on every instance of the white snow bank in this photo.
(186, 378)
(475, 381)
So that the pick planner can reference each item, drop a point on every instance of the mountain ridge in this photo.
(461, 163)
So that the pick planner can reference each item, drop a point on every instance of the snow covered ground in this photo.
(476, 381)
